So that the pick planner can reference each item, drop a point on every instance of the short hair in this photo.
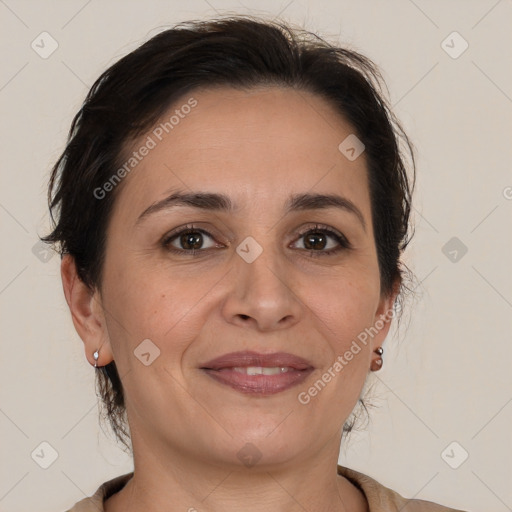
(241, 52)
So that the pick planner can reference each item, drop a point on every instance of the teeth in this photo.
(259, 370)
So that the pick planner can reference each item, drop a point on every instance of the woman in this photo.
(232, 207)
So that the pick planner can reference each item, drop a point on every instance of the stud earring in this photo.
(96, 355)
(378, 361)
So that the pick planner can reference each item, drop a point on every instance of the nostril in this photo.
(245, 317)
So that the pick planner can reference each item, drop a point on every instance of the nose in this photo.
(261, 295)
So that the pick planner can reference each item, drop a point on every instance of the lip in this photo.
(222, 370)
(250, 358)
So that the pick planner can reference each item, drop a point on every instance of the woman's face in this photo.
(254, 283)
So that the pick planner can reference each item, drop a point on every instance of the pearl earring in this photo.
(96, 355)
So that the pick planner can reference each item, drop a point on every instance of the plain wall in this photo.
(446, 376)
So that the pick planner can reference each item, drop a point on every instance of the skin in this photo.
(257, 147)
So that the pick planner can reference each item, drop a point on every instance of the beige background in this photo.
(446, 378)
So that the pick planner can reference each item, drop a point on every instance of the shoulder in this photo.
(381, 498)
(95, 502)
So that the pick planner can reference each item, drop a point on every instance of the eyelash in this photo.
(344, 244)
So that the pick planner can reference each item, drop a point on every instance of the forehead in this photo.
(252, 144)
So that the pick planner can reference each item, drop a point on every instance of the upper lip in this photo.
(249, 358)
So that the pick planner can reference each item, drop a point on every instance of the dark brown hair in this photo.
(235, 51)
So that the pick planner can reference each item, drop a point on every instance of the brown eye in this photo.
(317, 241)
(188, 240)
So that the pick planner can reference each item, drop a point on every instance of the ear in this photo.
(87, 313)
(383, 316)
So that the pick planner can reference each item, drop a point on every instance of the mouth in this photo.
(258, 374)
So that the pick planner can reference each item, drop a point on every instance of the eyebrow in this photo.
(222, 203)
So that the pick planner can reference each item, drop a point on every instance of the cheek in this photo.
(345, 306)
(342, 309)
(150, 305)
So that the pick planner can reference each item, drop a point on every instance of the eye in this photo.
(319, 240)
(187, 240)
(316, 241)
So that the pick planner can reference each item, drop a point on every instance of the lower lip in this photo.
(259, 384)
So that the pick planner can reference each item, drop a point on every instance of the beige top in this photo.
(380, 498)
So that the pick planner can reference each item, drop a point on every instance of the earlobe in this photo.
(87, 314)
(381, 325)
(377, 361)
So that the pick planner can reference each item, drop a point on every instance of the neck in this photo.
(194, 485)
